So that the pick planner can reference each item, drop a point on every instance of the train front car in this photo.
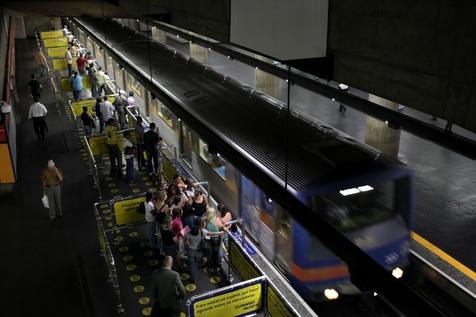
(374, 209)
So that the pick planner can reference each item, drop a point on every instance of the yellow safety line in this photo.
(444, 256)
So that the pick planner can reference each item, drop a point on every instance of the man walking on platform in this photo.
(169, 290)
(40, 62)
(38, 114)
(35, 87)
(51, 178)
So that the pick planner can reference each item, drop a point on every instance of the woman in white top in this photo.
(149, 205)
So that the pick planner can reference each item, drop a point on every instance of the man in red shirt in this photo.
(81, 62)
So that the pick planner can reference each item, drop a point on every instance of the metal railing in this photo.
(109, 259)
(94, 168)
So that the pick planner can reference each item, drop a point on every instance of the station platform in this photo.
(68, 254)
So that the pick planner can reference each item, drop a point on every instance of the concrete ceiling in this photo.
(94, 8)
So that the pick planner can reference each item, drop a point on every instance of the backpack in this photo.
(141, 208)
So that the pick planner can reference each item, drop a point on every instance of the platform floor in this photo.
(44, 264)
(58, 266)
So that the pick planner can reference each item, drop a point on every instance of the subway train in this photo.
(365, 195)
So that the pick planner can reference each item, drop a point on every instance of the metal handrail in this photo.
(94, 167)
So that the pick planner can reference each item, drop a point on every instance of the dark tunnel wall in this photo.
(421, 53)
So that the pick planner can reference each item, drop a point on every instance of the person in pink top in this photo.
(177, 227)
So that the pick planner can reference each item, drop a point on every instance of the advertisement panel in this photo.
(51, 34)
(55, 42)
(241, 263)
(57, 51)
(77, 106)
(275, 306)
(126, 211)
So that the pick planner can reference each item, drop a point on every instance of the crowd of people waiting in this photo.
(184, 226)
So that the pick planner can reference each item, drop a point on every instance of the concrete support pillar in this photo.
(378, 134)
(159, 35)
(199, 53)
(20, 31)
(265, 82)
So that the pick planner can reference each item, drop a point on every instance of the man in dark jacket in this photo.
(169, 290)
(151, 139)
(35, 87)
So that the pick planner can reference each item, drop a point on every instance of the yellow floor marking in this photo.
(444, 256)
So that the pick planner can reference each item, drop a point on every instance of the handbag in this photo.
(44, 200)
(203, 246)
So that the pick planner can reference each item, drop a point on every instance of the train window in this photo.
(283, 240)
(99, 55)
(186, 147)
(134, 85)
(89, 45)
(110, 66)
(357, 209)
(119, 75)
(165, 114)
(81, 36)
(213, 158)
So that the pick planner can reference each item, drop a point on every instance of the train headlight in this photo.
(397, 272)
(331, 293)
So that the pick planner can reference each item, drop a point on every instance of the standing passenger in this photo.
(38, 114)
(107, 109)
(129, 152)
(169, 290)
(150, 219)
(101, 81)
(112, 141)
(69, 60)
(151, 138)
(51, 178)
(76, 85)
(92, 80)
(139, 129)
(97, 110)
(81, 63)
(88, 121)
(194, 254)
(199, 203)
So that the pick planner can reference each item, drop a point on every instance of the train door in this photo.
(186, 144)
(259, 215)
(283, 241)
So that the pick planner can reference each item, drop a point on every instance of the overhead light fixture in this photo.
(352, 191)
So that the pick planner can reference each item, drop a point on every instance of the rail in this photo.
(109, 258)
(94, 168)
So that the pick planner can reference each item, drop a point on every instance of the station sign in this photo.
(126, 210)
(242, 299)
